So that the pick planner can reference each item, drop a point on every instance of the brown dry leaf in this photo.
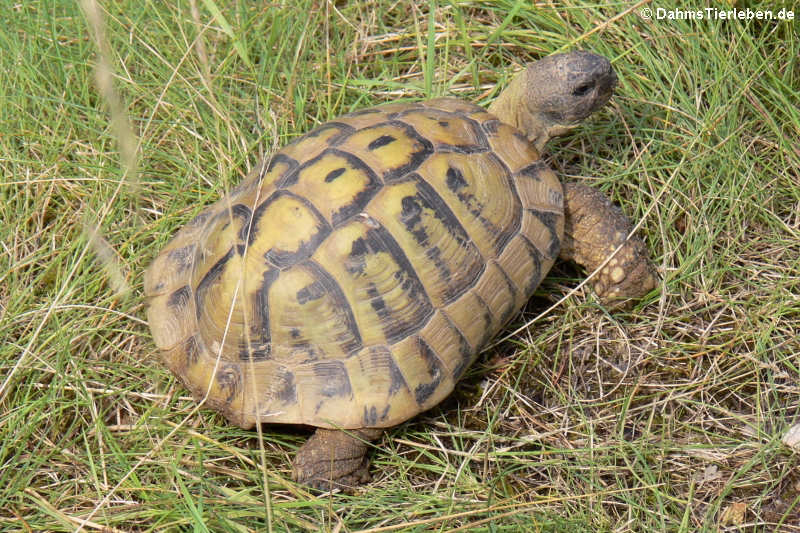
(733, 515)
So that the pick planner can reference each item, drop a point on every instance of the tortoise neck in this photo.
(506, 105)
(511, 109)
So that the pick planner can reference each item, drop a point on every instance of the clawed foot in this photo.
(332, 459)
(593, 229)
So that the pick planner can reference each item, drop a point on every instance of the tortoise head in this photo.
(554, 94)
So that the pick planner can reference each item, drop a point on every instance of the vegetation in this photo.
(120, 121)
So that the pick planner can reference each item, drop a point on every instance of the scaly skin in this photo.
(334, 459)
(593, 229)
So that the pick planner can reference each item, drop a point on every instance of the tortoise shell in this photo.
(351, 279)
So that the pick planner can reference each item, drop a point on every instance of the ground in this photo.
(120, 121)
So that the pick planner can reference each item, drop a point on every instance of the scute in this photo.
(338, 183)
(391, 149)
(388, 299)
(351, 279)
(307, 290)
(280, 248)
(447, 131)
(448, 261)
(477, 188)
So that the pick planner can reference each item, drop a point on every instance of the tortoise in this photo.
(349, 281)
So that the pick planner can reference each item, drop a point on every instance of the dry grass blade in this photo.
(69, 520)
(678, 415)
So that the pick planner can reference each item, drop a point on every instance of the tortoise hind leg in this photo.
(333, 458)
(593, 229)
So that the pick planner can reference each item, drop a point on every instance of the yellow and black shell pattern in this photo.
(350, 280)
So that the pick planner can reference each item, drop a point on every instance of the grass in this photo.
(665, 418)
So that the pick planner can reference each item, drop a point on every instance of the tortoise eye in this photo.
(582, 90)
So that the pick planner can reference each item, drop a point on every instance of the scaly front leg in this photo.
(593, 229)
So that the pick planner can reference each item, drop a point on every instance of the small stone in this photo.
(792, 438)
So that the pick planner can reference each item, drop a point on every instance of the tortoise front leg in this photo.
(333, 458)
(593, 229)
